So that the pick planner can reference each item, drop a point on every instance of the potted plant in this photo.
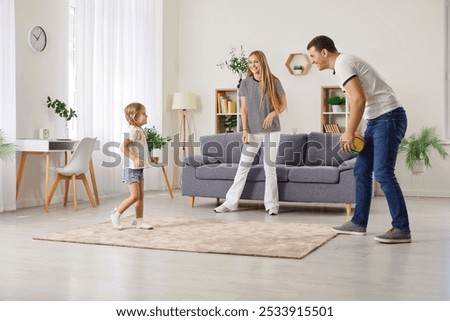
(155, 141)
(62, 111)
(230, 123)
(298, 69)
(418, 147)
(7, 150)
(237, 63)
(336, 102)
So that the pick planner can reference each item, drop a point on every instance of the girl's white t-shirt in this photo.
(138, 146)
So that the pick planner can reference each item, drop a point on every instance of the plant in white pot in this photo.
(155, 141)
(298, 69)
(417, 149)
(61, 109)
(336, 102)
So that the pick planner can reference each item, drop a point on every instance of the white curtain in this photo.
(115, 65)
(7, 102)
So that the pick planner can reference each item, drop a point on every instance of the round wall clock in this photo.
(37, 39)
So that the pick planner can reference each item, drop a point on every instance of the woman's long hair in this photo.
(267, 80)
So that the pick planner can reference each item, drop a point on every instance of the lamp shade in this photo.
(184, 101)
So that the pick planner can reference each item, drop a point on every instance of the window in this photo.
(72, 64)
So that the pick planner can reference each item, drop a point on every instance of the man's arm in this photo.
(357, 103)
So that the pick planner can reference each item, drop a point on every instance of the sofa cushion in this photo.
(291, 150)
(200, 160)
(323, 149)
(322, 174)
(225, 147)
(217, 171)
(228, 172)
(257, 174)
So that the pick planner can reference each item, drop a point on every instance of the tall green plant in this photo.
(418, 147)
(7, 150)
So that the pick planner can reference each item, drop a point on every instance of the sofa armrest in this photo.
(347, 165)
(200, 160)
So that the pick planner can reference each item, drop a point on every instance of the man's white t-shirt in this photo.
(380, 98)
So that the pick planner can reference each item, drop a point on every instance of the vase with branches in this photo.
(62, 111)
(237, 62)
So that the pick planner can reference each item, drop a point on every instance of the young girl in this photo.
(135, 149)
(262, 100)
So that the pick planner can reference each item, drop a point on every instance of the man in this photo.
(370, 97)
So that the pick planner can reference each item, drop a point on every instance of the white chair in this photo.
(75, 169)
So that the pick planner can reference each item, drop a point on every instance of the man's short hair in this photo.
(322, 42)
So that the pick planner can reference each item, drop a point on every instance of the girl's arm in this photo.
(125, 147)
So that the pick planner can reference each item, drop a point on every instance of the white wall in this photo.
(39, 75)
(404, 40)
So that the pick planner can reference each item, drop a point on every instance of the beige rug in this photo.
(270, 239)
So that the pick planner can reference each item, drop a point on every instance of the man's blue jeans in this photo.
(383, 136)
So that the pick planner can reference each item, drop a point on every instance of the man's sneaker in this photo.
(394, 236)
(115, 219)
(139, 223)
(350, 228)
(273, 211)
(222, 209)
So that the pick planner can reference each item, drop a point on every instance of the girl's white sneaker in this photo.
(115, 219)
(139, 223)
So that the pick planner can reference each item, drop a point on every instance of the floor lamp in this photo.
(183, 102)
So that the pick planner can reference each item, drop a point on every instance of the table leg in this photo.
(94, 182)
(167, 182)
(47, 177)
(23, 158)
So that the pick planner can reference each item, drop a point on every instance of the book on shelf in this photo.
(219, 99)
(331, 128)
(223, 104)
(231, 106)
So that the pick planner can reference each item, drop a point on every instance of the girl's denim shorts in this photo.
(132, 175)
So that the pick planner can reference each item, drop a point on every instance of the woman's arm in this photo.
(244, 119)
(269, 119)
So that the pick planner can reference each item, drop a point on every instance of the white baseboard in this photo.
(426, 193)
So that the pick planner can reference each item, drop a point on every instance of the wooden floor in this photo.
(346, 268)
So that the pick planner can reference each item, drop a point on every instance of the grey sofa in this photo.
(310, 168)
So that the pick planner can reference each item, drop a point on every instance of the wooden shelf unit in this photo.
(331, 121)
(229, 107)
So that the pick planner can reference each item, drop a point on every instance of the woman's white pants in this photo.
(249, 151)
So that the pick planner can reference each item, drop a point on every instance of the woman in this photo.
(262, 101)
